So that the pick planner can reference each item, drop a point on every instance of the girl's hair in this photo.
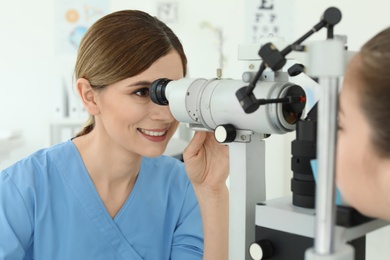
(120, 45)
(375, 91)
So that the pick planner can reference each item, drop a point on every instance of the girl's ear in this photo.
(87, 96)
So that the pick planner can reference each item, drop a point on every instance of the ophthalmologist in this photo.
(109, 193)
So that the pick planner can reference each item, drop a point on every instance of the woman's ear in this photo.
(87, 96)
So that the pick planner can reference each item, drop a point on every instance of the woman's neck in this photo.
(106, 161)
(113, 170)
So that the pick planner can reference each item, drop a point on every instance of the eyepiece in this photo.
(157, 91)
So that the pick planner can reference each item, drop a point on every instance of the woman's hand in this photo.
(207, 162)
(207, 165)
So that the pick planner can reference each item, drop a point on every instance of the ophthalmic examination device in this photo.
(243, 113)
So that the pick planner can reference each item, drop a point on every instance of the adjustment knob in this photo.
(225, 133)
(262, 249)
(295, 69)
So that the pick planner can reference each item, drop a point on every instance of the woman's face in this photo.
(357, 162)
(129, 119)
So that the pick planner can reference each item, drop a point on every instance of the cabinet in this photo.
(63, 129)
(9, 140)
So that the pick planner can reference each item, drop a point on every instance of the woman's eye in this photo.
(143, 92)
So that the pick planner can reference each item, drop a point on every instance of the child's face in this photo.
(357, 164)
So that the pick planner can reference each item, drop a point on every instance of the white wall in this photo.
(26, 50)
(27, 56)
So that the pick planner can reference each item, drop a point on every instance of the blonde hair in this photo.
(121, 45)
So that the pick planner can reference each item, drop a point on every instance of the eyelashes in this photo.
(142, 92)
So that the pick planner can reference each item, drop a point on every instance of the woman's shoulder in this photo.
(166, 169)
(164, 164)
(39, 162)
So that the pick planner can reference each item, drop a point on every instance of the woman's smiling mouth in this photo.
(156, 135)
(152, 133)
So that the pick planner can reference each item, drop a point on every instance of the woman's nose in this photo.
(159, 112)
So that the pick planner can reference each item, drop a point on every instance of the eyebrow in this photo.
(142, 83)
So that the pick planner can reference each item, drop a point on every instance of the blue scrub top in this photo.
(50, 209)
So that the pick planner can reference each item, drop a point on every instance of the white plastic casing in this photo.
(213, 102)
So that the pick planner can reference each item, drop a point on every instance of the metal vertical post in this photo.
(247, 187)
(326, 150)
(327, 62)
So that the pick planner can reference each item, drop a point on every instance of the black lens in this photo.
(157, 91)
(293, 112)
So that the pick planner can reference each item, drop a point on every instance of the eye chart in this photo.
(266, 18)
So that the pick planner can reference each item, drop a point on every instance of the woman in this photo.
(108, 193)
(363, 152)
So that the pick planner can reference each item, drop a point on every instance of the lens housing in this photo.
(208, 103)
(157, 91)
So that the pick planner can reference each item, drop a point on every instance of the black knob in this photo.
(247, 100)
(272, 56)
(225, 133)
(332, 16)
(262, 249)
(295, 69)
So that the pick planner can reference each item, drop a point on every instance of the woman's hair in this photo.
(120, 45)
(375, 91)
